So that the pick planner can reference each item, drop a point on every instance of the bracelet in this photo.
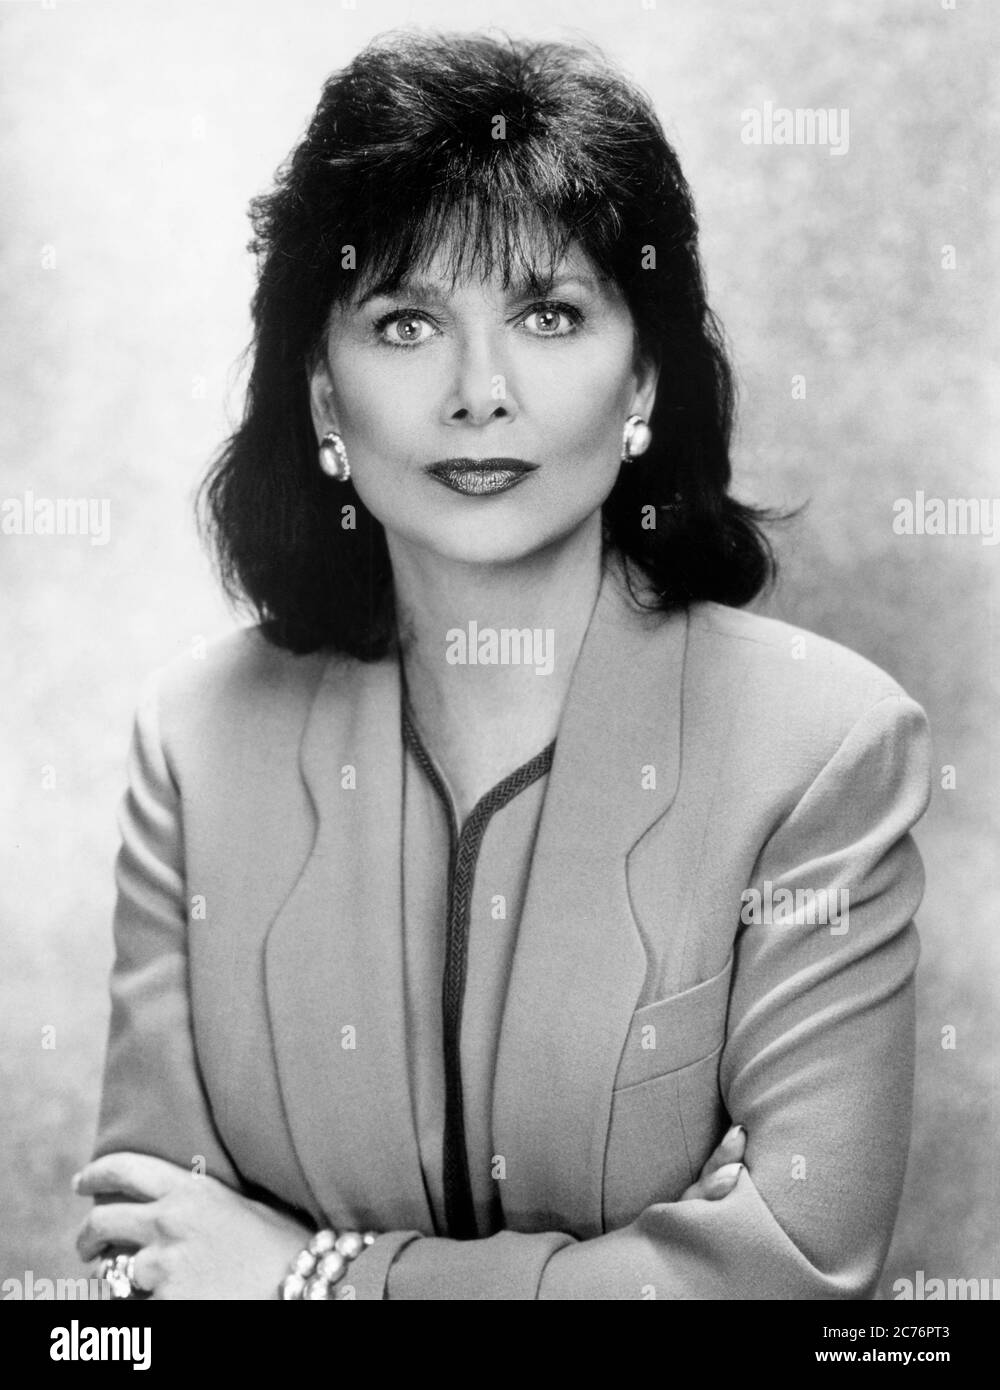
(318, 1268)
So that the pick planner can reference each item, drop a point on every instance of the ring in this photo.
(119, 1273)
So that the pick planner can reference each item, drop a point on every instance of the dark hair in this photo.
(400, 158)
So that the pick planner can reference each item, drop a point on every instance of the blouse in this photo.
(463, 888)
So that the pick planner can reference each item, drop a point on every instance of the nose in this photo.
(480, 390)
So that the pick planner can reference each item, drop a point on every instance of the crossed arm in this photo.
(817, 1066)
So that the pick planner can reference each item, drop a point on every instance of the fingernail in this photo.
(729, 1172)
(74, 1181)
(740, 1129)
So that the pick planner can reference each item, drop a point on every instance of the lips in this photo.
(481, 477)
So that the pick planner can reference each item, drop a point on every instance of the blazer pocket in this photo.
(673, 1033)
(661, 1132)
(666, 1110)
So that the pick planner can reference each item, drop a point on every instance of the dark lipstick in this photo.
(481, 477)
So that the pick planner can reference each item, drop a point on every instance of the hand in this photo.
(194, 1237)
(721, 1170)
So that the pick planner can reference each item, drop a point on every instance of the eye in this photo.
(552, 320)
(404, 328)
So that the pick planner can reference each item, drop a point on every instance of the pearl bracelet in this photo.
(318, 1268)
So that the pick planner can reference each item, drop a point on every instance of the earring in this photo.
(636, 438)
(333, 457)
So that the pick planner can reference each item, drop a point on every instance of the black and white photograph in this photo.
(499, 530)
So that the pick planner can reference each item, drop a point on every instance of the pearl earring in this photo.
(333, 457)
(636, 439)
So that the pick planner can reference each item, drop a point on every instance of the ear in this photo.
(321, 395)
(647, 374)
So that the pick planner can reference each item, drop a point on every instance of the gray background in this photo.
(133, 134)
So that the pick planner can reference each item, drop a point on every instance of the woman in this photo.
(507, 914)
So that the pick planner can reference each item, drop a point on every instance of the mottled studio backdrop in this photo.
(853, 278)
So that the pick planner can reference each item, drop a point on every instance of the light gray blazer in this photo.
(700, 754)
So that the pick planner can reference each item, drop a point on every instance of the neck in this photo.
(463, 631)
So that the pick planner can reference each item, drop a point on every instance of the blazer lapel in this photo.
(334, 963)
(580, 964)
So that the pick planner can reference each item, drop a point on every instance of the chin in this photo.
(511, 542)
(495, 551)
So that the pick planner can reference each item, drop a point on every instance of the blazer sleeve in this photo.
(817, 1064)
(153, 1100)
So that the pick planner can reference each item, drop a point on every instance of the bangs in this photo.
(480, 235)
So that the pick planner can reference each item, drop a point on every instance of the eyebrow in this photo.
(523, 289)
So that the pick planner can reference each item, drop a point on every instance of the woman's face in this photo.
(454, 376)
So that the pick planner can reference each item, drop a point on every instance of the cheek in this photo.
(585, 401)
(376, 405)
